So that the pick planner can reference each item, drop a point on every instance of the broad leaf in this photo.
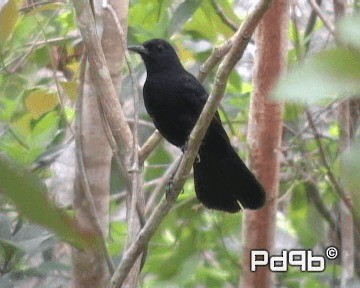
(29, 195)
(182, 14)
(8, 17)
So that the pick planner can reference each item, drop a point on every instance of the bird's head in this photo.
(158, 55)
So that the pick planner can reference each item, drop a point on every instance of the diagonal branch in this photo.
(231, 24)
(240, 42)
(316, 8)
(214, 59)
(310, 26)
(149, 145)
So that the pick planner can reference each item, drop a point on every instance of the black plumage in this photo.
(174, 99)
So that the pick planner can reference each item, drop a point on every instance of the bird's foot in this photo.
(170, 188)
(185, 146)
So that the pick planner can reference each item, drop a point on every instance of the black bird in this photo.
(174, 99)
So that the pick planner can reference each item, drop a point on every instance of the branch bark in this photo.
(316, 8)
(264, 138)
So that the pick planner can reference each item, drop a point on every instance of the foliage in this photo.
(194, 246)
(330, 74)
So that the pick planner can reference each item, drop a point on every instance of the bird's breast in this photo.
(170, 114)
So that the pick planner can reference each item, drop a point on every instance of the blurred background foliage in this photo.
(40, 50)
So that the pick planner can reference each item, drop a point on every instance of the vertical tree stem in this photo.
(264, 138)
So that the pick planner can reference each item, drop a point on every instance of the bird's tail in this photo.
(222, 179)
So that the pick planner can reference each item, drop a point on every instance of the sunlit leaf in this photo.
(70, 89)
(334, 130)
(39, 102)
(8, 17)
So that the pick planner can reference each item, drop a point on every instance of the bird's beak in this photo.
(139, 49)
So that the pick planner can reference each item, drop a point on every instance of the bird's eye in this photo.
(160, 48)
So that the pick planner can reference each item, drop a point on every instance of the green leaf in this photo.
(206, 24)
(40, 101)
(12, 87)
(329, 74)
(25, 31)
(71, 89)
(8, 17)
(292, 112)
(29, 195)
(182, 14)
(45, 130)
(8, 249)
(314, 283)
(149, 19)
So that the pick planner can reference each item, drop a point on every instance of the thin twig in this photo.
(53, 40)
(30, 7)
(328, 107)
(322, 16)
(240, 42)
(144, 123)
(164, 179)
(232, 25)
(214, 59)
(149, 145)
(338, 189)
(227, 120)
(313, 193)
(19, 61)
(310, 26)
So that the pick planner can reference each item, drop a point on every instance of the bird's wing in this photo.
(198, 95)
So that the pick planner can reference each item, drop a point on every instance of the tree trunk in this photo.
(264, 138)
(89, 268)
